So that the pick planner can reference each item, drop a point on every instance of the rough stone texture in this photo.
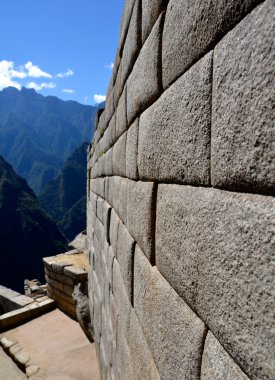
(217, 364)
(132, 43)
(114, 226)
(215, 248)
(125, 257)
(191, 29)
(151, 9)
(189, 103)
(140, 214)
(121, 115)
(126, 16)
(108, 163)
(80, 295)
(143, 85)
(119, 156)
(243, 142)
(109, 109)
(174, 333)
(132, 151)
(120, 186)
(181, 152)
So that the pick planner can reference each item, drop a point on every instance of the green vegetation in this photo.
(64, 197)
(27, 233)
(37, 133)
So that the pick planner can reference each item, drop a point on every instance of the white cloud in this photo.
(68, 73)
(68, 91)
(38, 87)
(7, 72)
(99, 98)
(110, 66)
(35, 72)
(86, 98)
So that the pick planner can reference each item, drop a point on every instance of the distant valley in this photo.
(38, 133)
(43, 149)
(27, 233)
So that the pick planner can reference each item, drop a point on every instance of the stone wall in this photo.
(181, 189)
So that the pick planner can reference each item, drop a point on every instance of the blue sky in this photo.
(59, 47)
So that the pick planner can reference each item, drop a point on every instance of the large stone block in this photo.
(108, 163)
(132, 43)
(143, 364)
(109, 108)
(191, 29)
(175, 335)
(125, 20)
(140, 218)
(125, 257)
(114, 226)
(181, 152)
(132, 151)
(120, 187)
(123, 355)
(144, 83)
(217, 364)
(99, 208)
(243, 129)
(121, 115)
(151, 9)
(119, 156)
(215, 248)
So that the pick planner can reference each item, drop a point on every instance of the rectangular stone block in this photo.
(140, 221)
(121, 115)
(77, 274)
(144, 83)
(106, 220)
(125, 258)
(215, 248)
(97, 186)
(100, 233)
(132, 151)
(119, 189)
(119, 156)
(60, 295)
(55, 284)
(151, 9)
(121, 297)
(123, 356)
(99, 208)
(142, 361)
(118, 87)
(109, 108)
(243, 128)
(125, 20)
(191, 29)
(175, 335)
(181, 152)
(108, 163)
(132, 42)
(217, 364)
(114, 226)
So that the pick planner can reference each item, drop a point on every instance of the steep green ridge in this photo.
(27, 233)
(38, 133)
(65, 197)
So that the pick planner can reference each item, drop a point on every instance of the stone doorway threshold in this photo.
(56, 347)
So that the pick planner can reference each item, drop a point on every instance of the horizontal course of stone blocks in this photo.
(181, 208)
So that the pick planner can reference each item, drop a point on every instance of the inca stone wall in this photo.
(181, 185)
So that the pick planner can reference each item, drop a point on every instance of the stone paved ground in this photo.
(8, 369)
(58, 346)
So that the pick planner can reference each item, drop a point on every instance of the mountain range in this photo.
(38, 133)
(27, 233)
(64, 198)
